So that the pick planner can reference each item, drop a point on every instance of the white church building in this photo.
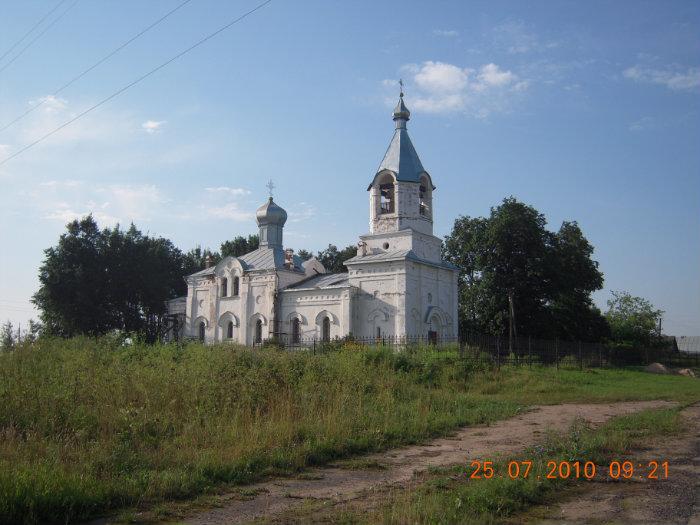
(396, 286)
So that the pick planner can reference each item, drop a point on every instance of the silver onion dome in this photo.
(271, 214)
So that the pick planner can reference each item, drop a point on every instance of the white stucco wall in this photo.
(310, 306)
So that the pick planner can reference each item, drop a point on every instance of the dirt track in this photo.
(675, 500)
(335, 484)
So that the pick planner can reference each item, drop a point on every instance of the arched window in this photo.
(258, 331)
(379, 332)
(202, 330)
(224, 287)
(229, 330)
(296, 330)
(236, 284)
(386, 192)
(326, 329)
(425, 197)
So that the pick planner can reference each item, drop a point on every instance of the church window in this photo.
(379, 332)
(296, 330)
(258, 331)
(386, 197)
(423, 201)
(224, 287)
(386, 245)
(202, 330)
(326, 329)
(236, 286)
(229, 330)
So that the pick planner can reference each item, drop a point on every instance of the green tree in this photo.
(33, 332)
(74, 293)
(511, 255)
(575, 277)
(95, 281)
(332, 258)
(7, 336)
(196, 260)
(305, 255)
(634, 321)
(240, 245)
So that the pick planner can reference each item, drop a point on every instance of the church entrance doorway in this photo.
(326, 329)
(296, 331)
(258, 331)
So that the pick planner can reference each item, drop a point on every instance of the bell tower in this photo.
(401, 194)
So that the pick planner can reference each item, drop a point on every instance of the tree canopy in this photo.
(634, 321)
(333, 259)
(94, 281)
(549, 275)
(239, 245)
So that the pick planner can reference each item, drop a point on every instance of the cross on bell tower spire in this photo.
(401, 113)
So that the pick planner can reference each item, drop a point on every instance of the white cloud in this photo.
(450, 33)
(492, 75)
(65, 215)
(133, 202)
(66, 200)
(440, 77)
(50, 104)
(642, 124)
(101, 126)
(153, 126)
(439, 104)
(439, 87)
(301, 212)
(673, 77)
(231, 210)
(68, 183)
(228, 190)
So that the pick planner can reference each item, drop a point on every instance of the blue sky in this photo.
(588, 111)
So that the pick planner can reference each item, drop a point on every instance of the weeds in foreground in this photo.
(87, 425)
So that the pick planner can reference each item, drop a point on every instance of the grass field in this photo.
(87, 425)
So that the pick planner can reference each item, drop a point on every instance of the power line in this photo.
(31, 30)
(133, 83)
(96, 64)
(37, 37)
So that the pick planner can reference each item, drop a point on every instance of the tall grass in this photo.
(87, 425)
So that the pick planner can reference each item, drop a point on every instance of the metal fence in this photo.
(500, 350)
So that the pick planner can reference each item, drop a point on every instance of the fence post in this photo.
(556, 352)
(314, 350)
(529, 351)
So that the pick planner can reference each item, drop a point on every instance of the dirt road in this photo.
(336, 484)
(672, 501)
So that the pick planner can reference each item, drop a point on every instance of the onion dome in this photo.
(401, 113)
(269, 214)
